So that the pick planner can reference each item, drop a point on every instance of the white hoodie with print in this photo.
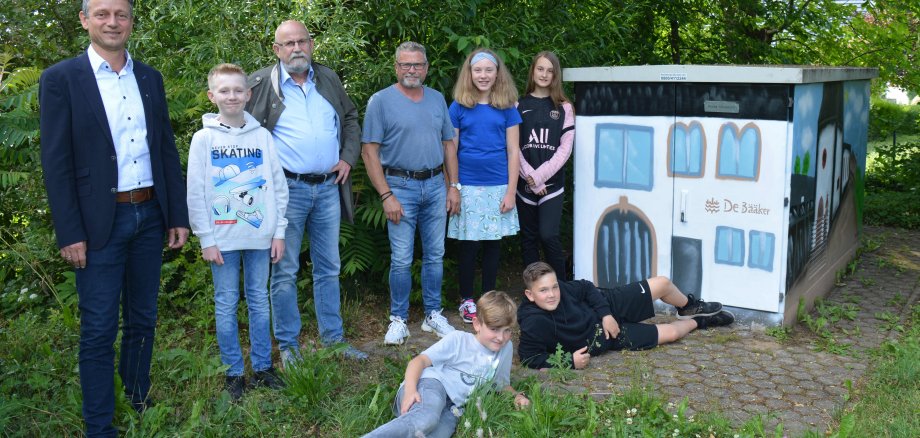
(237, 192)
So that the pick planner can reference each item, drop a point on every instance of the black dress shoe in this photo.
(236, 385)
(267, 379)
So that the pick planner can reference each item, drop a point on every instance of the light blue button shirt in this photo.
(307, 133)
(124, 110)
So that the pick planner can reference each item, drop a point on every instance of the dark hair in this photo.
(536, 271)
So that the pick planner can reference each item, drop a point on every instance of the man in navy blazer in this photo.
(115, 188)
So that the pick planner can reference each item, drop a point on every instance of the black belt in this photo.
(414, 174)
(311, 178)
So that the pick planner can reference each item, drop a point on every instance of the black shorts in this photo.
(631, 304)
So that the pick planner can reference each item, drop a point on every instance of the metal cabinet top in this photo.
(745, 74)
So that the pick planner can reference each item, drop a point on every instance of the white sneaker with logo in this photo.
(437, 323)
(397, 333)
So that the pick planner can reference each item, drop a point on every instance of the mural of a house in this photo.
(737, 182)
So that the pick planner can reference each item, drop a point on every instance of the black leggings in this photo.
(540, 224)
(469, 249)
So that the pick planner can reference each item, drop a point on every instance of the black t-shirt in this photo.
(540, 133)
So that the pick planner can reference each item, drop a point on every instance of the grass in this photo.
(328, 396)
(888, 403)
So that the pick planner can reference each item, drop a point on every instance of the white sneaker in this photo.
(437, 323)
(397, 333)
(290, 358)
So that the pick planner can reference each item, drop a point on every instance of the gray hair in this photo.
(86, 7)
(410, 46)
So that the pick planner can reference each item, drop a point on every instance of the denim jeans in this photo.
(425, 205)
(316, 209)
(125, 271)
(431, 418)
(226, 299)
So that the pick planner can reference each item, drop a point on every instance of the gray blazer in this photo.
(267, 104)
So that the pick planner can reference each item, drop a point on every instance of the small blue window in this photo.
(739, 152)
(729, 246)
(761, 255)
(624, 156)
(687, 150)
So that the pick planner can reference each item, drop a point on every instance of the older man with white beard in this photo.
(315, 128)
(412, 162)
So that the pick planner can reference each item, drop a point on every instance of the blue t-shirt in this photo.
(410, 133)
(483, 149)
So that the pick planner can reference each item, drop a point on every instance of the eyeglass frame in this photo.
(408, 66)
(290, 45)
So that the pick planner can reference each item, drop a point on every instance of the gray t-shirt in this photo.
(459, 361)
(409, 133)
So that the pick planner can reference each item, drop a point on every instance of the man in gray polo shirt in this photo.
(412, 162)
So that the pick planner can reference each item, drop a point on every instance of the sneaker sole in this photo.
(430, 329)
(399, 342)
(733, 319)
(679, 316)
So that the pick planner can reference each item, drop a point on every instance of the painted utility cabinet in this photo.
(742, 184)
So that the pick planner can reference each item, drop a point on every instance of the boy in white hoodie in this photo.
(237, 196)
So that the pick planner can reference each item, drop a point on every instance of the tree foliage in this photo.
(357, 38)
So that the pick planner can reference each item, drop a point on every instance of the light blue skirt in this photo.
(480, 217)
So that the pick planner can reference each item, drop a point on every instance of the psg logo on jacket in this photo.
(554, 114)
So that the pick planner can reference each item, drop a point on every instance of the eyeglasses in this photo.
(406, 66)
(292, 44)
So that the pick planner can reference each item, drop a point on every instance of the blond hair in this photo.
(496, 309)
(503, 94)
(224, 69)
(556, 92)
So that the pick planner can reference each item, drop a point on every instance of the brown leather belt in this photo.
(135, 196)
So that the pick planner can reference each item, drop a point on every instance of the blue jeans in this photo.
(425, 206)
(431, 418)
(316, 208)
(125, 272)
(226, 299)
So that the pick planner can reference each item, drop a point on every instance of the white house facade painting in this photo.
(739, 183)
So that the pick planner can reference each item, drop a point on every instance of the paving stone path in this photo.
(741, 371)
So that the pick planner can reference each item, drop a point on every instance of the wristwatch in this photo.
(457, 186)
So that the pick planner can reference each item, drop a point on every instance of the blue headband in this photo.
(483, 55)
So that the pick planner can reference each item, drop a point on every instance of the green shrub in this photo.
(887, 117)
(892, 197)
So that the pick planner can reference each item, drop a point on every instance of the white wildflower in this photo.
(23, 290)
(33, 296)
(479, 433)
(629, 420)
